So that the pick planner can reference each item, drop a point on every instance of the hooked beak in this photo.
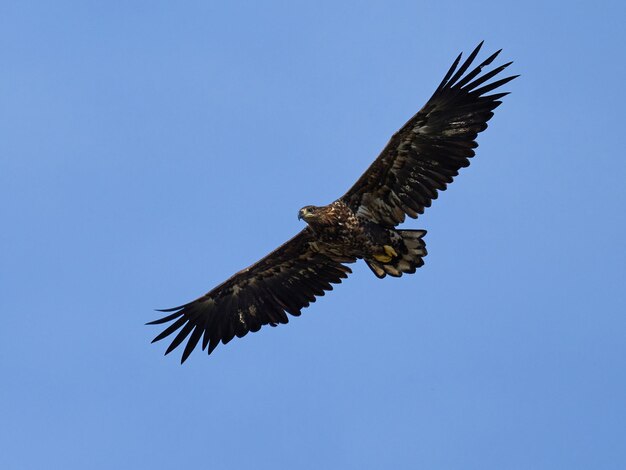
(304, 214)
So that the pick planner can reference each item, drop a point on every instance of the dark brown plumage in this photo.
(421, 159)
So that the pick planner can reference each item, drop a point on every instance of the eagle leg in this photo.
(388, 256)
(390, 251)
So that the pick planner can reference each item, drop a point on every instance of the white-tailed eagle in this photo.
(421, 159)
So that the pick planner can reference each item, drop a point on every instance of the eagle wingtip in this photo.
(173, 309)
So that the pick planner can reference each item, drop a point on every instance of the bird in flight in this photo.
(419, 160)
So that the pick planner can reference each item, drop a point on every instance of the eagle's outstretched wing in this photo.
(286, 280)
(430, 149)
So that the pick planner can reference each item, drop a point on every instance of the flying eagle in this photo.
(421, 158)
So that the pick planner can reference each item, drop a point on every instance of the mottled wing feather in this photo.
(425, 155)
(286, 280)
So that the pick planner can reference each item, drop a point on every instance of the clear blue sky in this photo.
(150, 149)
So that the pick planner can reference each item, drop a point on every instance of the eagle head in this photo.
(309, 213)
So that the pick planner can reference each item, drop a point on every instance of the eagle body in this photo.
(339, 231)
(418, 162)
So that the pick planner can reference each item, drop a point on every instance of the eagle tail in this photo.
(411, 250)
